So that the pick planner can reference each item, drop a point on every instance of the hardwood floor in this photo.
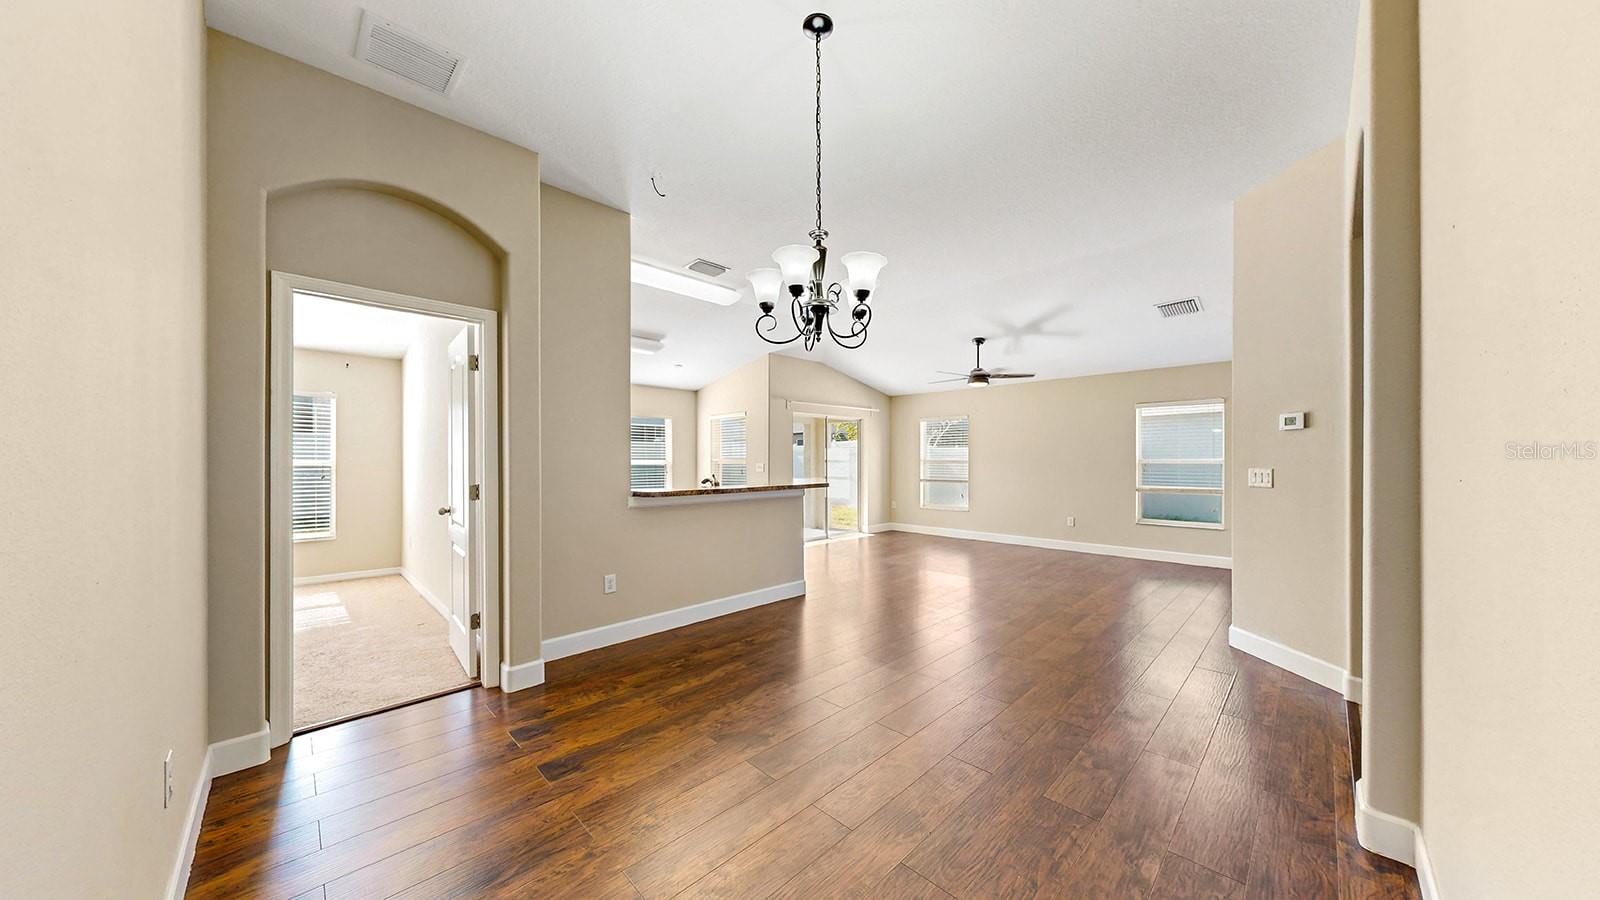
(936, 718)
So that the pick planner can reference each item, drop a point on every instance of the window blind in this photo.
(730, 449)
(1180, 464)
(945, 463)
(650, 456)
(313, 446)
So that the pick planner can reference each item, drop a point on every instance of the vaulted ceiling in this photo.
(1041, 173)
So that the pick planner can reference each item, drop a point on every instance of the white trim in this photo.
(1284, 657)
(1427, 882)
(1172, 556)
(616, 633)
(1385, 834)
(301, 580)
(178, 881)
(242, 752)
(521, 677)
(1352, 688)
(438, 605)
(822, 409)
(487, 596)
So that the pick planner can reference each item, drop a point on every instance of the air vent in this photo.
(388, 46)
(707, 267)
(1185, 307)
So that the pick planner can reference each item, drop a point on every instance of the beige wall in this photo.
(819, 388)
(102, 446)
(1290, 548)
(367, 462)
(1381, 142)
(1045, 450)
(273, 127)
(425, 458)
(744, 390)
(679, 408)
(666, 557)
(1510, 280)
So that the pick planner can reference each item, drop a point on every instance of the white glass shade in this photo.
(983, 382)
(863, 267)
(767, 283)
(795, 260)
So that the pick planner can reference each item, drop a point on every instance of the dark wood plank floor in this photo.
(936, 718)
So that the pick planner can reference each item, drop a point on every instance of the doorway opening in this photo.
(829, 448)
(381, 543)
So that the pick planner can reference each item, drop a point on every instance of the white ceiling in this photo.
(1038, 172)
(338, 326)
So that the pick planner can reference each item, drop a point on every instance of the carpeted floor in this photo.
(365, 644)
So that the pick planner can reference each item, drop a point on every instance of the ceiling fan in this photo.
(979, 376)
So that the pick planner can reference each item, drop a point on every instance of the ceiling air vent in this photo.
(388, 46)
(707, 268)
(1186, 306)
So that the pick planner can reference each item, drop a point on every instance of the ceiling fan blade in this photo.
(962, 374)
(949, 380)
(1010, 374)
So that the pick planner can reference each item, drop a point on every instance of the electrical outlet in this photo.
(1260, 478)
(610, 586)
(894, 504)
(166, 781)
(1072, 521)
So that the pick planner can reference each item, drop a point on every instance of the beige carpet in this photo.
(365, 644)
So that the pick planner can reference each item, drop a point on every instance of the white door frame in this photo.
(280, 546)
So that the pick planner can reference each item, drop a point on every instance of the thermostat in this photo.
(1291, 421)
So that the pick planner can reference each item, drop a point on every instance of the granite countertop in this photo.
(723, 491)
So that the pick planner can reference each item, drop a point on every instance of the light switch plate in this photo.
(1261, 478)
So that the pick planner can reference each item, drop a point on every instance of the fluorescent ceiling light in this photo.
(686, 285)
(646, 345)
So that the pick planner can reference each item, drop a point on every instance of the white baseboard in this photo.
(1426, 881)
(606, 635)
(1171, 556)
(178, 881)
(1385, 834)
(347, 576)
(439, 606)
(1308, 667)
(241, 752)
(1352, 688)
(522, 676)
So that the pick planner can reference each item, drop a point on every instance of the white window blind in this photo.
(1180, 464)
(730, 451)
(650, 465)
(945, 463)
(314, 450)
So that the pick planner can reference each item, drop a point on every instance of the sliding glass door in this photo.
(828, 449)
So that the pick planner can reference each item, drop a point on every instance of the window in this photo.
(314, 446)
(728, 450)
(1179, 464)
(650, 468)
(944, 463)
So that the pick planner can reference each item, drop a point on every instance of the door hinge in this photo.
(473, 363)
(474, 491)
(477, 620)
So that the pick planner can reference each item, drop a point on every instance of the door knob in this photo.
(444, 510)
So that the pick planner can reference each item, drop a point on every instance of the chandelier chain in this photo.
(818, 42)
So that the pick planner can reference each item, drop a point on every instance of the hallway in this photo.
(935, 717)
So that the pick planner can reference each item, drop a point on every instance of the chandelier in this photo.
(802, 269)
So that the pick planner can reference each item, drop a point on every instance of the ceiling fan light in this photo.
(795, 260)
(766, 283)
(978, 381)
(863, 267)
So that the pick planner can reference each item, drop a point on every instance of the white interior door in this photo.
(459, 511)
